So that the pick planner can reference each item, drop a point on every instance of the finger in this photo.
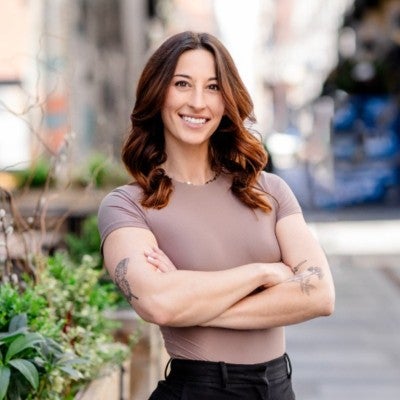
(164, 265)
(160, 255)
(167, 262)
(160, 266)
(156, 249)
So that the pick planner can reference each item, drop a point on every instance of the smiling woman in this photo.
(195, 74)
(192, 111)
(204, 243)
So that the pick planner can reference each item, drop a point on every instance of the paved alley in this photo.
(354, 354)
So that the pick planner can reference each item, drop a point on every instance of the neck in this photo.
(191, 170)
(189, 164)
(194, 175)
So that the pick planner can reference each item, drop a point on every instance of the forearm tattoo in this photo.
(121, 281)
(305, 277)
(297, 267)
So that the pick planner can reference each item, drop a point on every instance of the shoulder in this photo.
(122, 195)
(121, 208)
(272, 183)
(280, 193)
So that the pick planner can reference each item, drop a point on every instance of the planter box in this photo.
(113, 386)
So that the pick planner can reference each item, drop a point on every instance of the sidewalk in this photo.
(354, 354)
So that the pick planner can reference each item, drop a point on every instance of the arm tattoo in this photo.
(121, 281)
(305, 277)
(297, 267)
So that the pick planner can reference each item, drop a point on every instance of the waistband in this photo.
(209, 371)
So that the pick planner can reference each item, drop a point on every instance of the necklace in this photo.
(207, 182)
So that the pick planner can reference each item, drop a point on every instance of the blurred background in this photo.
(325, 79)
(323, 76)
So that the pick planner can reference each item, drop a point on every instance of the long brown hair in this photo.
(233, 148)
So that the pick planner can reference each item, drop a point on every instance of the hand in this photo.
(277, 273)
(160, 260)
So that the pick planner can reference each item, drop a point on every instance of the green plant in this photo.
(25, 357)
(16, 359)
(86, 243)
(14, 301)
(36, 175)
(101, 170)
(74, 292)
(65, 309)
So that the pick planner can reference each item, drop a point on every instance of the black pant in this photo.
(197, 380)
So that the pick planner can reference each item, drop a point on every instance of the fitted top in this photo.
(207, 228)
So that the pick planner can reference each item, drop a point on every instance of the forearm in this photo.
(165, 296)
(306, 296)
(190, 298)
(186, 298)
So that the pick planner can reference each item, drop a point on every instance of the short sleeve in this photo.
(281, 193)
(120, 209)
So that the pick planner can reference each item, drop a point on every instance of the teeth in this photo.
(194, 120)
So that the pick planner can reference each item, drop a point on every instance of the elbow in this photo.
(154, 311)
(165, 316)
(162, 318)
(327, 304)
(327, 309)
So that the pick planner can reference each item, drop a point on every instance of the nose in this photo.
(197, 98)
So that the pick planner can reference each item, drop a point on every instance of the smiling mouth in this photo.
(195, 121)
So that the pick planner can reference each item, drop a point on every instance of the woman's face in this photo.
(193, 105)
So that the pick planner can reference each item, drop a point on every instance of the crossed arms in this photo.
(251, 296)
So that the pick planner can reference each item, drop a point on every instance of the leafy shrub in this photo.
(31, 303)
(24, 354)
(102, 171)
(88, 243)
(36, 175)
(17, 370)
(64, 312)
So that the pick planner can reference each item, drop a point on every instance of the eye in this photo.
(214, 87)
(181, 84)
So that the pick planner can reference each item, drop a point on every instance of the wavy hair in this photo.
(233, 148)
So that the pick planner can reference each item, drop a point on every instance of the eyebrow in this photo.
(189, 77)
